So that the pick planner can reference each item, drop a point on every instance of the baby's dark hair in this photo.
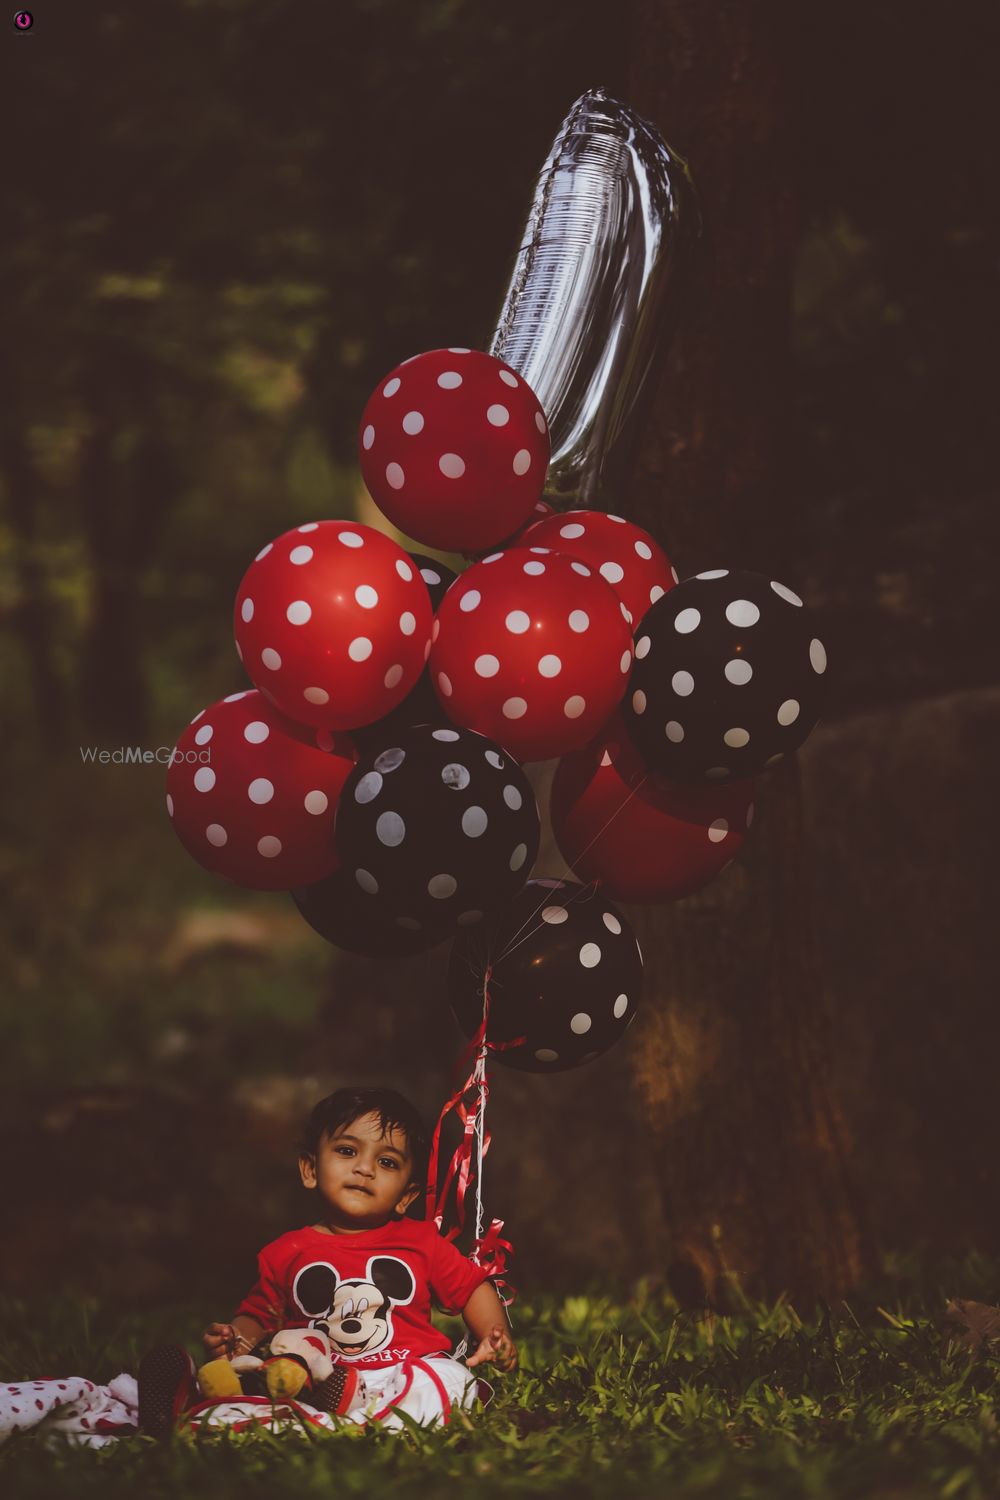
(391, 1109)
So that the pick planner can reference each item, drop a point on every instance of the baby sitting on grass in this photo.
(363, 1274)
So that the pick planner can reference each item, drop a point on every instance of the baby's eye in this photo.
(388, 1161)
(344, 1150)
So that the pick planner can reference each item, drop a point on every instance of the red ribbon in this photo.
(489, 1251)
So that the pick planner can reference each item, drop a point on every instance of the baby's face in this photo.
(362, 1173)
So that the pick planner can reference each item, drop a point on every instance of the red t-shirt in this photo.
(371, 1291)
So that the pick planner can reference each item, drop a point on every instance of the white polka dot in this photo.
(256, 732)
(269, 846)
(738, 671)
(717, 773)
(368, 437)
(775, 758)
(625, 614)
(656, 593)
(474, 821)
(239, 650)
(394, 476)
(581, 568)
(574, 707)
(626, 661)
(246, 611)
(742, 613)
(308, 526)
(444, 684)
(786, 594)
(390, 760)
(736, 738)
(644, 550)
(403, 569)
(580, 1023)
(714, 573)
(430, 577)
(316, 695)
(235, 697)
(619, 519)
(571, 530)
(368, 787)
(204, 734)
(366, 881)
(170, 806)
(539, 421)
(447, 735)
(612, 572)
(639, 701)
(620, 1007)
(413, 423)
(316, 803)
(486, 666)
(270, 659)
(590, 955)
(391, 386)
(512, 797)
(455, 776)
(682, 684)
(260, 790)
(517, 622)
(642, 647)
(550, 666)
(451, 466)
(546, 551)
(350, 539)
(360, 648)
(522, 461)
(450, 380)
(534, 568)
(514, 708)
(518, 857)
(366, 596)
(391, 829)
(435, 629)
(579, 621)
(458, 351)
(611, 922)
(546, 1054)
(217, 835)
(442, 886)
(204, 779)
(495, 760)
(687, 620)
(817, 656)
(469, 601)
(554, 915)
(674, 576)
(298, 613)
(493, 557)
(497, 416)
(324, 739)
(300, 555)
(394, 676)
(673, 731)
(788, 712)
(264, 551)
(508, 378)
(718, 830)
(469, 918)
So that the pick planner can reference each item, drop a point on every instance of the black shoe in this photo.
(167, 1386)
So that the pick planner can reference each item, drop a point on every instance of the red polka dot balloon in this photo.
(532, 649)
(253, 796)
(454, 449)
(638, 835)
(627, 557)
(333, 623)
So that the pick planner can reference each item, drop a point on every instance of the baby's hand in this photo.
(497, 1347)
(219, 1340)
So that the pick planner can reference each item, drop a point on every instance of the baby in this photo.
(363, 1274)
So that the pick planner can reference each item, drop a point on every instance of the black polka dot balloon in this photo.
(437, 828)
(342, 914)
(565, 982)
(421, 704)
(728, 677)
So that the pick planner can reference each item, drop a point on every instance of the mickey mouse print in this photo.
(356, 1312)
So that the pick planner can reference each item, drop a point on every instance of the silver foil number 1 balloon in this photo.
(594, 288)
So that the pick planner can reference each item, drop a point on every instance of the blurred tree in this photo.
(733, 1068)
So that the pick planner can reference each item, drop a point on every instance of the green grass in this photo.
(611, 1399)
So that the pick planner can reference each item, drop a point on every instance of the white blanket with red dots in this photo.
(73, 1408)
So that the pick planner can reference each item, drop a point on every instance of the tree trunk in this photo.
(733, 1070)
